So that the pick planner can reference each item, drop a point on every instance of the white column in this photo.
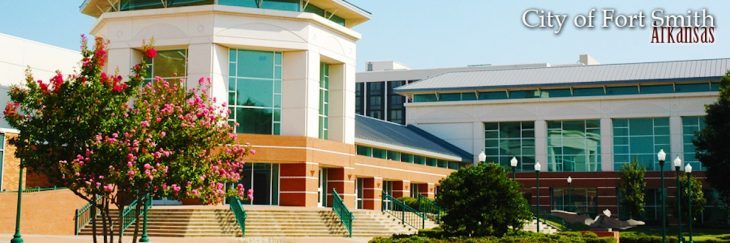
(675, 138)
(122, 60)
(541, 143)
(300, 94)
(606, 144)
(208, 60)
(342, 103)
(478, 139)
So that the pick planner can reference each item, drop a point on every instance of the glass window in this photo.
(287, 5)
(169, 65)
(359, 104)
(556, 93)
(504, 140)
(468, 96)
(657, 89)
(626, 90)
(715, 86)
(364, 151)
(424, 98)
(393, 155)
(524, 94)
(450, 97)
(126, 5)
(396, 109)
(639, 139)
(254, 91)
(375, 100)
(588, 91)
(379, 153)
(408, 158)
(493, 95)
(324, 84)
(240, 3)
(579, 200)
(263, 178)
(691, 125)
(700, 87)
(574, 145)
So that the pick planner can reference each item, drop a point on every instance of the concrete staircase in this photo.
(544, 228)
(262, 222)
(182, 222)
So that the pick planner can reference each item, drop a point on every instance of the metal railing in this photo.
(83, 216)
(429, 208)
(239, 213)
(342, 212)
(128, 212)
(406, 214)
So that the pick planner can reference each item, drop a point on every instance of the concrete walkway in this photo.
(69, 239)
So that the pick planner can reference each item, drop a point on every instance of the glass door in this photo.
(388, 189)
(359, 192)
(322, 189)
(263, 178)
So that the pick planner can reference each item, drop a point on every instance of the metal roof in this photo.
(408, 136)
(574, 75)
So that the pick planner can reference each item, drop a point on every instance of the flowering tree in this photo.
(115, 141)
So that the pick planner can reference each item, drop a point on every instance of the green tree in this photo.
(698, 197)
(712, 143)
(116, 141)
(482, 200)
(633, 188)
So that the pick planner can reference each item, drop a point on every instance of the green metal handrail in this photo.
(406, 214)
(239, 212)
(429, 208)
(40, 189)
(128, 213)
(83, 216)
(342, 212)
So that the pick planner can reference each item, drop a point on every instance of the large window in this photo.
(324, 100)
(580, 200)
(254, 91)
(652, 206)
(126, 5)
(574, 145)
(639, 139)
(396, 110)
(170, 65)
(504, 140)
(691, 125)
(359, 96)
(264, 179)
(376, 100)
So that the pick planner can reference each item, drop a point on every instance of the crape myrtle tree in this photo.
(697, 197)
(632, 188)
(111, 141)
(481, 200)
(712, 142)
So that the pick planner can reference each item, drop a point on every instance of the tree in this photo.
(482, 200)
(712, 143)
(633, 188)
(698, 196)
(118, 141)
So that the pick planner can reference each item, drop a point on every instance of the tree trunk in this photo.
(93, 217)
(136, 219)
(120, 221)
(103, 220)
(109, 220)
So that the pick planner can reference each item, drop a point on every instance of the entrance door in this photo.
(359, 192)
(388, 189)
(322, 189)
(263, 178)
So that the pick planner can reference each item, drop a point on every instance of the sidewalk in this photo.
(69, 239)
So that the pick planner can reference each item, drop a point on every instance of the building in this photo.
(374, 92)
(17, 55)
(287, 70)
(583, 121)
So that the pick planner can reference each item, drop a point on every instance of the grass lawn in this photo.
(698, 233)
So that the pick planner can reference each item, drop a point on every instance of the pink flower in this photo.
(150, 53)
(144, 124)
(147, 166)
(250, 194)
(108, 188)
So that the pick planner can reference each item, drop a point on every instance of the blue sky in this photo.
(437, 33)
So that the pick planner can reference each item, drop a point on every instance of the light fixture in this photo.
(513, 162)
(677, 163)
(570, 180)
(538, 167)
(688, 168)
(662, 156)
(482, 156)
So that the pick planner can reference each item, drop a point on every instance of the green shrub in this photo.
(411, 202)
(482, 200)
